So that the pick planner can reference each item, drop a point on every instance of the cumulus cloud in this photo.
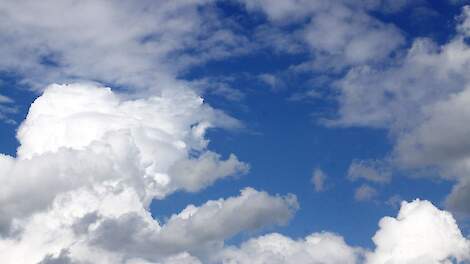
(421, 99)
(421, 233)
(276, 248)
(75, 135)
(70, 197)
(90, 162)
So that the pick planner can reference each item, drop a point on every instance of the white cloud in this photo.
(272, 81)
(325, 248)
(365, 193)
(7, 108)
(195, 229)
(342, 36)
(421, 98)
(82, 197)
(338, 34)
(90, 162)
(370, 170)
(318, 180)
(139, 45)
(420, 233)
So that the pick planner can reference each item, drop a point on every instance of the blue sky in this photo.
(372, 94)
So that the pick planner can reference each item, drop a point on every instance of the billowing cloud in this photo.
(420, 233)
(90, 162)
(78, 135)
(276, 248)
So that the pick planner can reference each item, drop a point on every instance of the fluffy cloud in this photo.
(276, 248)
(337, 33)
(340, 36)
(90, 162)
(77, 135)
(422, 99)
(420, 233)
(141, 45)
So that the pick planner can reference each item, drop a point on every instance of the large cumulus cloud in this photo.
(90, 162)
(420, 233)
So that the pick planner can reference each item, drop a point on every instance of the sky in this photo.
(235, 132)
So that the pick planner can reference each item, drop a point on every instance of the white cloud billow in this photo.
(420, 234)
(89, 164)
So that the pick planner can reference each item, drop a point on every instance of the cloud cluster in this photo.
(418, 92)
(420, 233)
(422, 100)
(90, 162)
(137, 44)
(337, 33)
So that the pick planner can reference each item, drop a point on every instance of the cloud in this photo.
(365, 193)
(149, 143)
(138, 45)
(341, 36)
(276, 248)
(89, 163)
(337, 34)
(369, 170)
(421, 98)
(294, 10)
(194, 228)
(318, 180)
(80, 196)
(7, 108)
(420, 233)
